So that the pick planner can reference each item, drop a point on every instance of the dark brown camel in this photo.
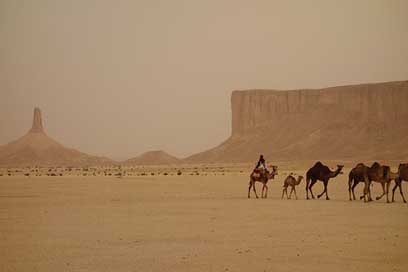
(358, 174)
(381, 174)
(263, 177)
(292, 182)
(323, 173)
(401, 176)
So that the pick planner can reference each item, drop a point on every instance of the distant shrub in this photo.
(165, 173)
(179, 173)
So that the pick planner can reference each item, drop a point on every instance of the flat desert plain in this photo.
(194, 223)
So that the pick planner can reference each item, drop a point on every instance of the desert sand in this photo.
(194, 223)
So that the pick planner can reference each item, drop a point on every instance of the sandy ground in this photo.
(193, 223)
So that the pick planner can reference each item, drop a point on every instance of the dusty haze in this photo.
(117, 78)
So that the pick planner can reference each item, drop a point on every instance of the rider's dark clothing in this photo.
(260, 162)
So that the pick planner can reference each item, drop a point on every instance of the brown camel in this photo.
(358, 174)
(263, 177)
(402, 176)
(292, 182)
(323, 173)
(381, 174)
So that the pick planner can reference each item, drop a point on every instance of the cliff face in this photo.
(368, 121)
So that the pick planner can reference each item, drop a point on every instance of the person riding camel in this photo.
(261, 165)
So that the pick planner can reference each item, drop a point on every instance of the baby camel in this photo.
(292, 182)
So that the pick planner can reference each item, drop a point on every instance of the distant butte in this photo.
(153, 158)
(356, 122)
(36, 148)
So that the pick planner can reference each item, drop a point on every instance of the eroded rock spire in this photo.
(37, 121)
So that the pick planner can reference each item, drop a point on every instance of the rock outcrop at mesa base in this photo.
(36, 148)
(367, 122)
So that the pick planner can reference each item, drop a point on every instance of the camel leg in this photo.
(349, 187)
(352, 190)
(263, 189)
(253, 188)
(310, 187)
(383, 187)
(369, 191)
(387, 190)
(393, 189)
(283, 192)
(400, 189)
(291, 191)
(307, 187)
(266, 191)
(249, 189)
(366, 191)
(327, 194)
(294, 190)
(324, 191)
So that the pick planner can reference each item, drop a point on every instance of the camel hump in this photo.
(318, 164)
(375, 164)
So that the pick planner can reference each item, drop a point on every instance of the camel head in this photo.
(340, 168)
(274, 170)
(299, 180)
(403, 166)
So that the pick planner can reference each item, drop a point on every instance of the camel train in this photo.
(319, 172)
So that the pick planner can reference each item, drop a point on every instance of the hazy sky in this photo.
(118, 78)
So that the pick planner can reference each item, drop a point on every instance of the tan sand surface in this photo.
(193, 223)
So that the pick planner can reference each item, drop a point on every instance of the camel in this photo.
(358, 174)
(292, 182)
(402, 176)
(322, 173)
(257, 175)
(381, 174)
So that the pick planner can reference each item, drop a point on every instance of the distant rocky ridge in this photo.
(36, 148)
(356, 123)
(153, 158)
(367, 121)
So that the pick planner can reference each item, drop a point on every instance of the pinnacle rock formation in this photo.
(36, 148)
(37, 121)
(357, 122)
(153, 158)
